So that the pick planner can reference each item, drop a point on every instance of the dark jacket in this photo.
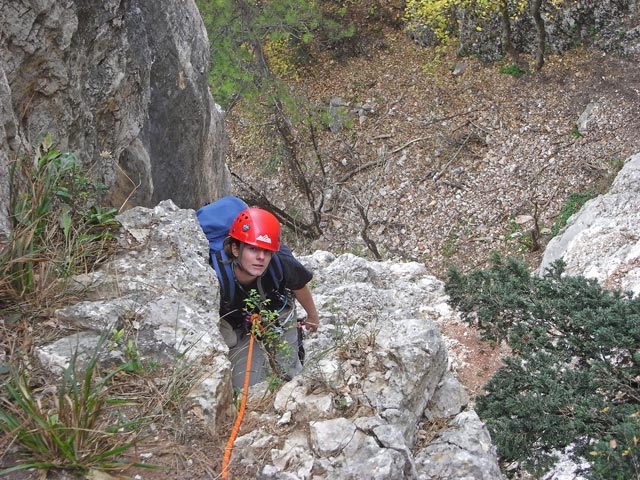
(294, 276)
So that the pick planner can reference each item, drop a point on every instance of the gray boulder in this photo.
(602, 240)
(159, 288)
(124, 85)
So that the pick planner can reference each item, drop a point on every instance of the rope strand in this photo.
(243, 403)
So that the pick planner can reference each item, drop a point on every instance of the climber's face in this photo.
(253, 261)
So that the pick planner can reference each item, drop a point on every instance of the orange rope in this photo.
(243, 403)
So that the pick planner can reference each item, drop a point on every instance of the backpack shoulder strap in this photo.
(224, 272)
(276, 270)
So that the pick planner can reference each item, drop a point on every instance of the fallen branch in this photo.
(359, 169)
(455, 155)
(383, 136)
(410, 142)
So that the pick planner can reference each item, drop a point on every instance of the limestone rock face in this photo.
(377, 398)
(121, 84)
(375, 382)
(375, 385)
(602, 240)
(159, 287)
(7, 137)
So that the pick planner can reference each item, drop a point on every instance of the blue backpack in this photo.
(216, 219)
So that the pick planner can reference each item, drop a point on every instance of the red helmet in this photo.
(257, 227)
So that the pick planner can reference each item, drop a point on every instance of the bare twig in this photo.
(364, 232)
(135, 187)
(307, 230)
(361, 168)
(457, 185)
(316, 148)
(535, 231)
(383, 136)
(453, 157)
(410, 142)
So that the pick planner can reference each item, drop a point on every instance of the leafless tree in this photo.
(535, 6)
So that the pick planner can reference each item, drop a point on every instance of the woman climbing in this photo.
(267, 278)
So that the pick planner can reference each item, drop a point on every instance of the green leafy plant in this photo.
(574, 203)
(522, 237)
(70, 427)
(513, 70)
(450, 246)
(438, 15)
(129, 349)
(432, 67)
(274, 382)
(614, 166)
(102, 217)
(266, 329)
(253, 43)
(58, 230)
(572, 377)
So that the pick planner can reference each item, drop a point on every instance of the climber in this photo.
(264, 269)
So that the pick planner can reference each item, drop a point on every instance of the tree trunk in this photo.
(540, 32)
(505, 20)
(282, 121)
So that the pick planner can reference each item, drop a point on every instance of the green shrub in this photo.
(513, 70)
(438, 15)
(253, 44)
(573, 377)
(574, 203)
(70, 427)
(58, 229)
